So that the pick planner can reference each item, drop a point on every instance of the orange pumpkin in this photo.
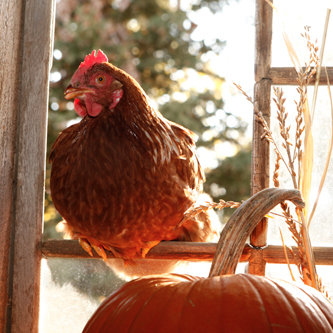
(227, 303)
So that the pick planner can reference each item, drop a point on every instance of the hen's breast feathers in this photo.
(118, 146)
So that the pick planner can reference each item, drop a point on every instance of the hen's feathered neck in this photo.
(146, 126)
(140, 122)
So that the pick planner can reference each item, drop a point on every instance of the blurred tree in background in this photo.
(151, 40)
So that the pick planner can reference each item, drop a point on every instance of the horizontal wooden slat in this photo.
(287, 76)
(274, 254)
(183, 251)
(164, 250)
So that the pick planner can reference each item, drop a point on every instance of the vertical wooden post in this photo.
(260, 149)
(26, 40)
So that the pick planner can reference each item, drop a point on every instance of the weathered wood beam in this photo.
(164, 250)
(260, 164)
(288, 76)
(26, 30)
(273, 254)
(262, 97)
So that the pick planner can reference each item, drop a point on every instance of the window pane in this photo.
(295, 15)
(242, 267)
(279, 271)
(71, 290)
(321, 229)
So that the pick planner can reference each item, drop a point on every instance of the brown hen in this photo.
(123, 177)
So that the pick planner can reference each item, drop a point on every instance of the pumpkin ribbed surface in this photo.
(229, 303)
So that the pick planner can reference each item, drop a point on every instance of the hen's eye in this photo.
(100, 79)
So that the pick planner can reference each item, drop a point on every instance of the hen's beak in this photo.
(72, 92)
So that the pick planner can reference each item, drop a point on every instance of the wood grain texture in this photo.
(10, 30)
(263, 39)
(164, 250)
(257, 262)
(260, 167)
(262, 96)
(260, 151)
(26, 28)
(273, 254)
(287, 76)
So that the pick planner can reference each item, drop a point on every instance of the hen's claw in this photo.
(100, 251)
(146, 248)
(87, 245)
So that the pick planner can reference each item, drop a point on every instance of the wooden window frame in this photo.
(25, 62)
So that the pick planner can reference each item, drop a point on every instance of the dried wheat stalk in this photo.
(295, 158)
(268, 134)
(195, 210)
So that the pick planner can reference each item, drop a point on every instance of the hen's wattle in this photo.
(123, 177)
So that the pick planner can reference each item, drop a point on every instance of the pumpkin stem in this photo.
(241, 224)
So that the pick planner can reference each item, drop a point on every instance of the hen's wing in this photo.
(205, 226)
(193, 172)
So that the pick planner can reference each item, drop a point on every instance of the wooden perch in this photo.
(272, 254)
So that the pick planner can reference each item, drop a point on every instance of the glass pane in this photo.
(321, 229)
(279, 271)
(242, 267)
(295, 15)
(71, 290)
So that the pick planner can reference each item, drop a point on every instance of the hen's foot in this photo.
(98, 247)
(147, 246)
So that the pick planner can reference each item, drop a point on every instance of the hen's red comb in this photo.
(92, 59)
